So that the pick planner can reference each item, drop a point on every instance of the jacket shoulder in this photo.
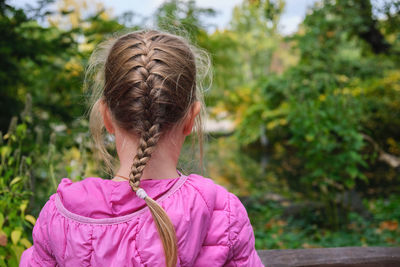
(215, 196)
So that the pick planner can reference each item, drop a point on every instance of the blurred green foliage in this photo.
(322, 108)
(17, 153)
(315, 152)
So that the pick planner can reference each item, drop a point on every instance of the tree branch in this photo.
(390, 159)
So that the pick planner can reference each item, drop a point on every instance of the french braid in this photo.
(150, 83)
(151, 132)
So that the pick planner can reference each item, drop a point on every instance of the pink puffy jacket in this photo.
(97, 222)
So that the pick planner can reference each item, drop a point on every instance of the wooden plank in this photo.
(332, 257)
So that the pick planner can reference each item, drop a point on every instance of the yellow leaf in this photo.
(30, 219)
(15, 180)
(5, 150)
(23, 206)
(26, 243)
(309, 137)
(15, 236)
(272, 124)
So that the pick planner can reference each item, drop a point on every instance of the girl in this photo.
(149, 102)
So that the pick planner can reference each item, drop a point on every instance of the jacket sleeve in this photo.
(40, 253)
(241, 236)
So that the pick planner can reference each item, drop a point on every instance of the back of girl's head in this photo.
(148, 79)
(150, 82)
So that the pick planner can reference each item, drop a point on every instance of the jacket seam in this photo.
(46, 239)
(230, 238)
(91, 248)
(230, 241)
(233, 240)
(65, 247)
(202, 197)
(220, 245)
(136, 239)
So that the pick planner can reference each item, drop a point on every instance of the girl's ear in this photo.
(105, 112)
(194, 111)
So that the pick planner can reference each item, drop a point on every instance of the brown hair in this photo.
(149, 80)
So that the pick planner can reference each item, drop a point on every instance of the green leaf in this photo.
(21, 129)
(18, 250)
(10, 161)
(1, 220)
(2, 262)
(349, 183)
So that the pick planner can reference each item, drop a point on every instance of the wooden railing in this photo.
(332, 257)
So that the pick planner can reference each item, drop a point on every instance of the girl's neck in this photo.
(162, 164)
(155, 169)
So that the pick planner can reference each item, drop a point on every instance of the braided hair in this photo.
(149, 85)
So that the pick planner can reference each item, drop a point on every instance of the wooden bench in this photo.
(332, 257)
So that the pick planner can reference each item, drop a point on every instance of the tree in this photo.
(321, 107)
